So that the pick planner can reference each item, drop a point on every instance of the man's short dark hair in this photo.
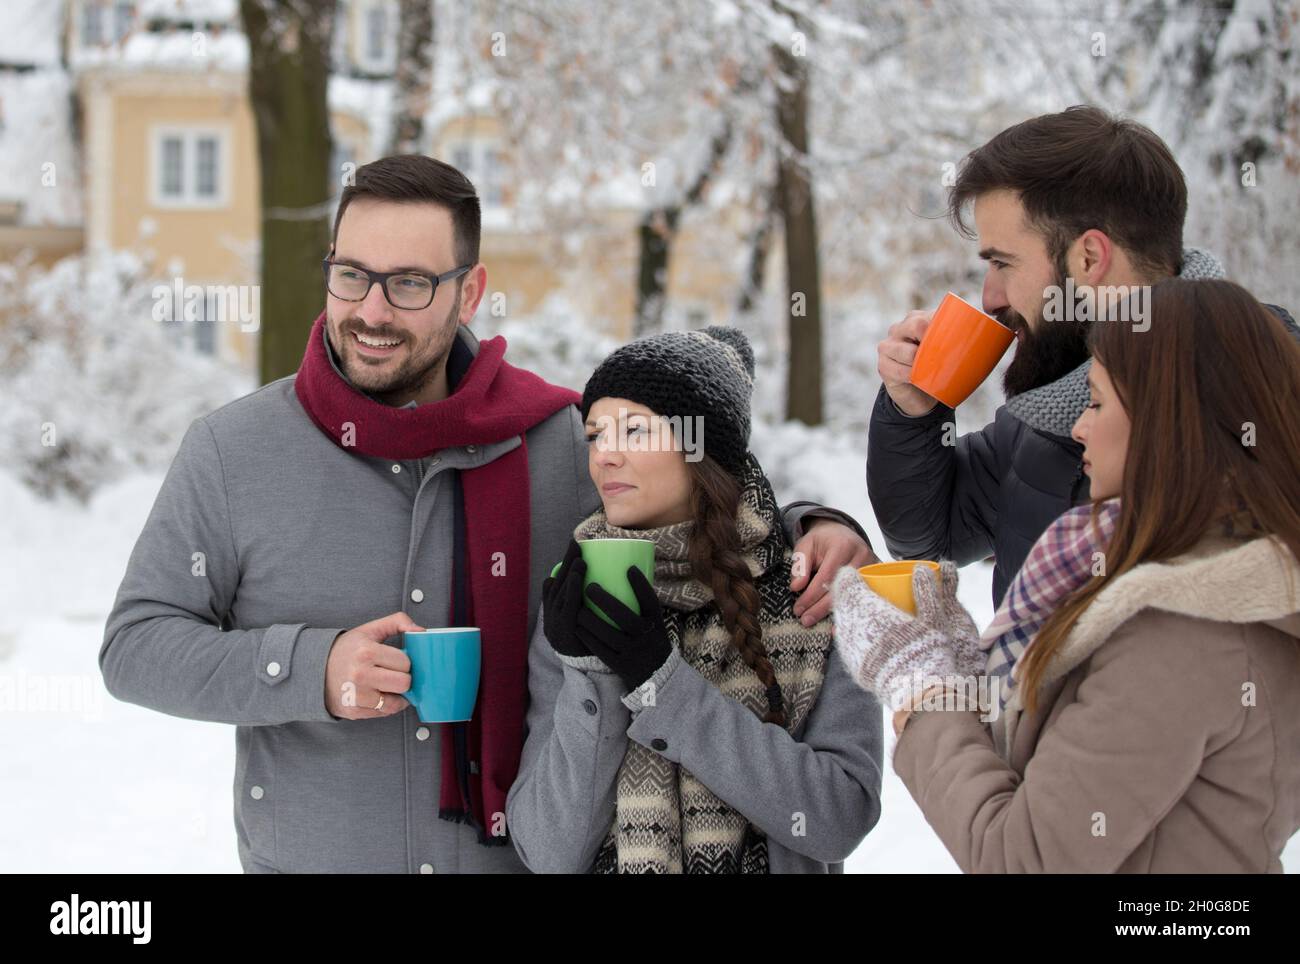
(1082, 169)
(419, 178)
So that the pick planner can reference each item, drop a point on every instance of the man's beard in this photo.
(421, 365)
(1045, 352)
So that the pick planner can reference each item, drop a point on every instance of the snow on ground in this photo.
(95, 785)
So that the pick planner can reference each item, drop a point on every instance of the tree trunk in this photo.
(656, 234)
(760, 243)
(794, 195)
(289, 62)
(413, 82)
(658, 227)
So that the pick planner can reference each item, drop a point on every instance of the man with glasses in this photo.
(405, 477)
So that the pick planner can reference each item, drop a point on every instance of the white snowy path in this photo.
(94, 785)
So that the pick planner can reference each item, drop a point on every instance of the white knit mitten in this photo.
(891, 653)
(953, 618)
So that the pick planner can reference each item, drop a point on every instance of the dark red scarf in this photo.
(492, 401)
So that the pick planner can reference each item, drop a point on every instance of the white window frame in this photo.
(186, 334)
(189, 135)
(92, 35)
(124, 14)
(339, 53)
(477, 171)
(113, 21)
(386, 62)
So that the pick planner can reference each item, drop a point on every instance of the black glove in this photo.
(562, 601)
(638, 645)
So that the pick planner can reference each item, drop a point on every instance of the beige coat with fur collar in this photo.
(1167, 738)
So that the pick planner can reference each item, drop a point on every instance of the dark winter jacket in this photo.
(994, 491)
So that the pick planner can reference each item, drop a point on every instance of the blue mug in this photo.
(444, 673)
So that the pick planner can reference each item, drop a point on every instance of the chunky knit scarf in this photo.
(493, 401)
(666, 820)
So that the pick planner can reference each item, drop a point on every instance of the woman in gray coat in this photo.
(711, 732)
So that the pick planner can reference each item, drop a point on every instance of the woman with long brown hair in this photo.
(1146, 660)
(712, 732)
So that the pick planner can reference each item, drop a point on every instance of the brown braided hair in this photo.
(716, 561)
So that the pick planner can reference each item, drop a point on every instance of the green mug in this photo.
(607, 563)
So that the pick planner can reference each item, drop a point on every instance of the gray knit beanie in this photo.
(708, 373)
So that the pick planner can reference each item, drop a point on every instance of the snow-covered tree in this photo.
(704, 109)
(1220, 81)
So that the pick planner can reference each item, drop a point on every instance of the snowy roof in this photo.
(188, 11)
(29, 32)
(173, 49)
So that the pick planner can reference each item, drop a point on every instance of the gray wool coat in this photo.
(265, 542)
(815, 792)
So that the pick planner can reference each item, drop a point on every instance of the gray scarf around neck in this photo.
(1056, 406)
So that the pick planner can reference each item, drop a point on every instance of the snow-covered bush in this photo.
(92, 385)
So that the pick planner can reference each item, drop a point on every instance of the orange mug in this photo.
(959, 349)
(893, 581)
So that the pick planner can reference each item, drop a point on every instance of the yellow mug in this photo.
(893, 580)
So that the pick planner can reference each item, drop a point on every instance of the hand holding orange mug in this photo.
(941, 355)
(894, 357)
(961, 346)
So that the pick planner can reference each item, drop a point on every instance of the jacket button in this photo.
(256, 793)
(422, 733)
(417, 595)
(272, 669)
(471, 449)
(589, 706)
(426, 868)
(396, 468)
(659, 745)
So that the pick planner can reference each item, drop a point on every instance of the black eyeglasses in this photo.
(410, 290)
